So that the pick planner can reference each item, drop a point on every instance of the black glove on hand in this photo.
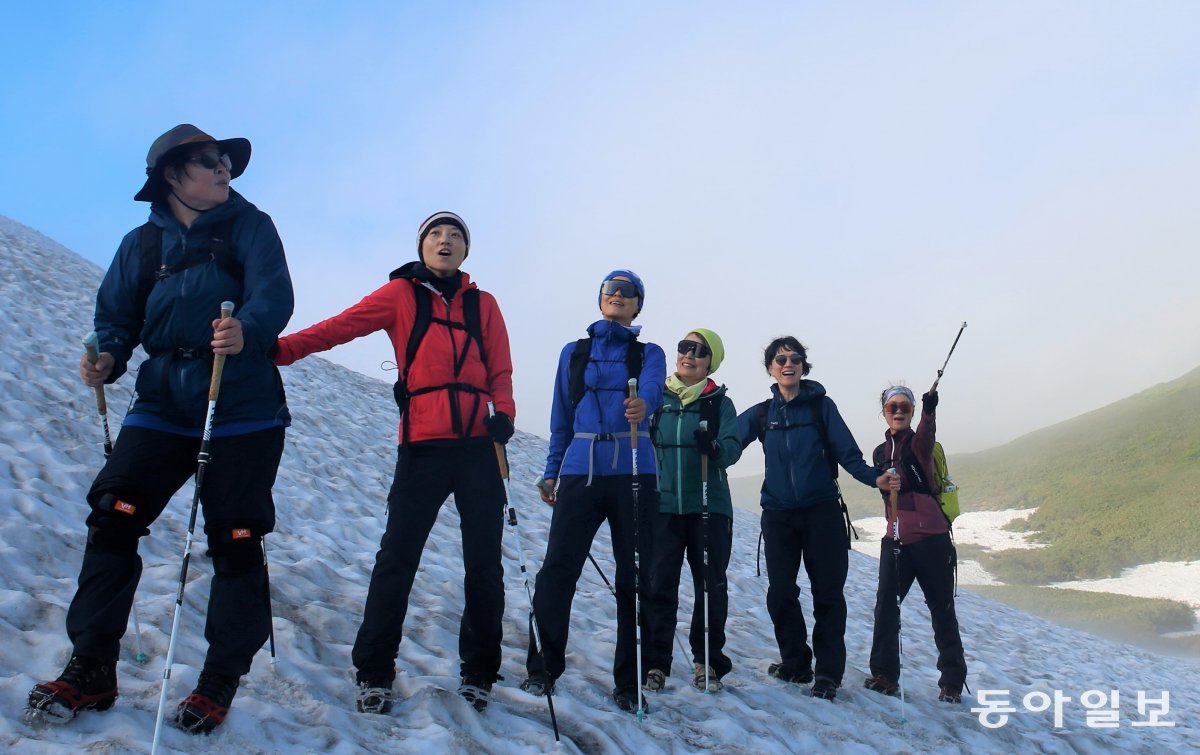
(929, 402)
(706, 444)
(499, 426)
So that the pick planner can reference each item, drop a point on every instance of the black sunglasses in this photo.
(782, 359)
(210, 160)
(624, 288)
(689, 347)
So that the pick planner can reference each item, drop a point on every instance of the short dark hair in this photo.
(792, 344)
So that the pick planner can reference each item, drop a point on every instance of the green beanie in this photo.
(714, 345)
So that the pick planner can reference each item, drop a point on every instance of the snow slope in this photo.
(330, 499)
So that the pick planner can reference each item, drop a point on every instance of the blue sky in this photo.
(865, 176)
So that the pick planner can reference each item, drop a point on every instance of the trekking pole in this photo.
(91, 344)
(611, 589)
(893, 497)
(939, 377)
(704, 526)
(502, 460)
(214, 387)
(267, 573)
(637, 558)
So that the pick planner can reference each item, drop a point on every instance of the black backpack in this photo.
(710, 412)
(634, 356)
(422, 319)
(150, 271)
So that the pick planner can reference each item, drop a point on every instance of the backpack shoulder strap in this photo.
(576, 368)
(710, 412)
(818, 405)
(219, 245)
(473, 321)
(422, 316)
(634, 358)
(149, 256)
(760, 418)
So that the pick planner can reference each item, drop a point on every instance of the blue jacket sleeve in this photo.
(747, 427)
(844, 446)
(652, 381)
(117, 321)
(267, 289)
(562, 415)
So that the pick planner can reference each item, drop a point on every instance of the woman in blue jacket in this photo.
(204, 244)
(804, 439)
(588, 479)
(691, 522)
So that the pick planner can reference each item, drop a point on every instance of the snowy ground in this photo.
(330, 501)
(1177, 580)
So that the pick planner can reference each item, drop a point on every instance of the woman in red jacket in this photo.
(453, 356)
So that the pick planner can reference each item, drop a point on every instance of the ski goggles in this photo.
(782, 359)
(898, 407)
(694, 347)
(210, 160)
(624, 288)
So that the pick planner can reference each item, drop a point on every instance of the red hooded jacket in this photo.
(393, 308)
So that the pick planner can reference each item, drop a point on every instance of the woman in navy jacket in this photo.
(804, 439)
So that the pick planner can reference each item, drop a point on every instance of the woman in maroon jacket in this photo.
(917, 545)
(460, 361)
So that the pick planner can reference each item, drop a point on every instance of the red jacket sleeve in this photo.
(499, 357)
(377, 311)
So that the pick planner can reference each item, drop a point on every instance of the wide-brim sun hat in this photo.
(186, 135)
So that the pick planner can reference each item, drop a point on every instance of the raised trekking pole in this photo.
(214, 387)
(939, 377)
(502, 460)
(704, 526)
(637, 557)
(91, 344)
(893, 498)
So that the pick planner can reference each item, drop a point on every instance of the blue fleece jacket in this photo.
(601, 411)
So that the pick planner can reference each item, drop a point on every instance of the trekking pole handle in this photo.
(633, 394)
(893, 496)
(501, 457)
(703, 455)
(214, 386)
(91, 344)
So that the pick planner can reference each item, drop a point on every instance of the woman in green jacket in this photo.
(695, 519)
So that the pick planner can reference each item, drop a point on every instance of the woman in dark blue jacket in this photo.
(804, 440)
(204, 244)
(590, 464)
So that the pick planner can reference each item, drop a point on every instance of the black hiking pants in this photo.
(578, 513)
(677, 536)
(426, 475)
(815, 536)
(931, 563)
(146, 468)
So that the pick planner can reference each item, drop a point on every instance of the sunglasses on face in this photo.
(898, 407)
(694, 347)
(624, 288)
(210, 160)
(782, 359)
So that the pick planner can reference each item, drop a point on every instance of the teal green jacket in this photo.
(679, 459)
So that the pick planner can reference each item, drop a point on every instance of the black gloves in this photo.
(929, 402)
(706, 444)
(499, 426)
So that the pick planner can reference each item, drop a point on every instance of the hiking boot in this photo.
(538, 684)
(655, 680)
(882, 685)
(374, 696)
(785, 674)
(205, 709)
(476, 690)
(627, 700)
(698, 676)
(950, 695)
(824, 689)
(85, 684)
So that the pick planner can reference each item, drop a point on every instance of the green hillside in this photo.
(1115, 487)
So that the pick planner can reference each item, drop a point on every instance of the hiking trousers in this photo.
(931, 563)
(426, 475)
(578, 513)
(146, 468)
(677, 536)
(815, 536)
